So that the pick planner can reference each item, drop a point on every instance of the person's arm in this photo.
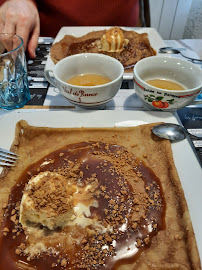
(21, 17)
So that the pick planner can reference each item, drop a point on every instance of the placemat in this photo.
(43, 94)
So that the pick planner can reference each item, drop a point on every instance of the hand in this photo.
(21, 17)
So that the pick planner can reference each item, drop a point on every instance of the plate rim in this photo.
(8, 121)
(107, 116)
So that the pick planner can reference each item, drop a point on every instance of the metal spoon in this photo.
(172, 132)
(179, 49)
(185, 54)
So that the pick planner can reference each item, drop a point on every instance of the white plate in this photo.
(186, 163)
(154, 38)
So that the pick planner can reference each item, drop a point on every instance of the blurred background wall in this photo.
(177, 19)
(193, 27)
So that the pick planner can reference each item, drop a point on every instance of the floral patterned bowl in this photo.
(173, 69)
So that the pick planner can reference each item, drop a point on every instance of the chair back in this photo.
(144, 13)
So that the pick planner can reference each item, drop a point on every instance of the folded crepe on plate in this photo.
(126, 46)
(94, 198)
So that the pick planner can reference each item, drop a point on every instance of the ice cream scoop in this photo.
(113, 40)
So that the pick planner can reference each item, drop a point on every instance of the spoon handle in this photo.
(191, 58)
(172, 48)
(195, 136)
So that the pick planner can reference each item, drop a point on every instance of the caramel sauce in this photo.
(165, 84)
(88, 80)
(129, 56)
(113, 40)
(100, 160)
(83, 46)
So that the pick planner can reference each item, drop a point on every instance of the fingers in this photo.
(23, 31)
(2, 19)
(12, 27)
(10, 23)
(7, 25)
(21, 18)
(1, 27)
(33, 43)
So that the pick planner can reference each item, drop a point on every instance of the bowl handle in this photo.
(50, 78)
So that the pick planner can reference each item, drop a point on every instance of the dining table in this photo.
(45, 97)
(125, 108)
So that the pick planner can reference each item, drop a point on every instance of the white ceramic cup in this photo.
(180, 71)
(87, 63)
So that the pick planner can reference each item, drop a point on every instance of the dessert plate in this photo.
(154, 38)
(183, 154)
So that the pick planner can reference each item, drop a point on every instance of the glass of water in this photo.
(14, 88)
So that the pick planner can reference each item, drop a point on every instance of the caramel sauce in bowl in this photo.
(167, 83)
(88, 80)
(88, 63)
(129, 211)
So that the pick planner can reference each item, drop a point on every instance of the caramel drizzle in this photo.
(129, 238)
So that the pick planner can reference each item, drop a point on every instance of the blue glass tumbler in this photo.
(14, 87)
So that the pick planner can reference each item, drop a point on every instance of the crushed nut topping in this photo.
(112, 198)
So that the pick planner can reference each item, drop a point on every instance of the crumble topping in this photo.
(112, 208)
(47, 200)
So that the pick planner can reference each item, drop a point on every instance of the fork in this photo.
(7, 158)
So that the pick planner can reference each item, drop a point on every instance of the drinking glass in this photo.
(14, 88)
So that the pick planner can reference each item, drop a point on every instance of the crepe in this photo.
(141, 195)
(134, 46)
